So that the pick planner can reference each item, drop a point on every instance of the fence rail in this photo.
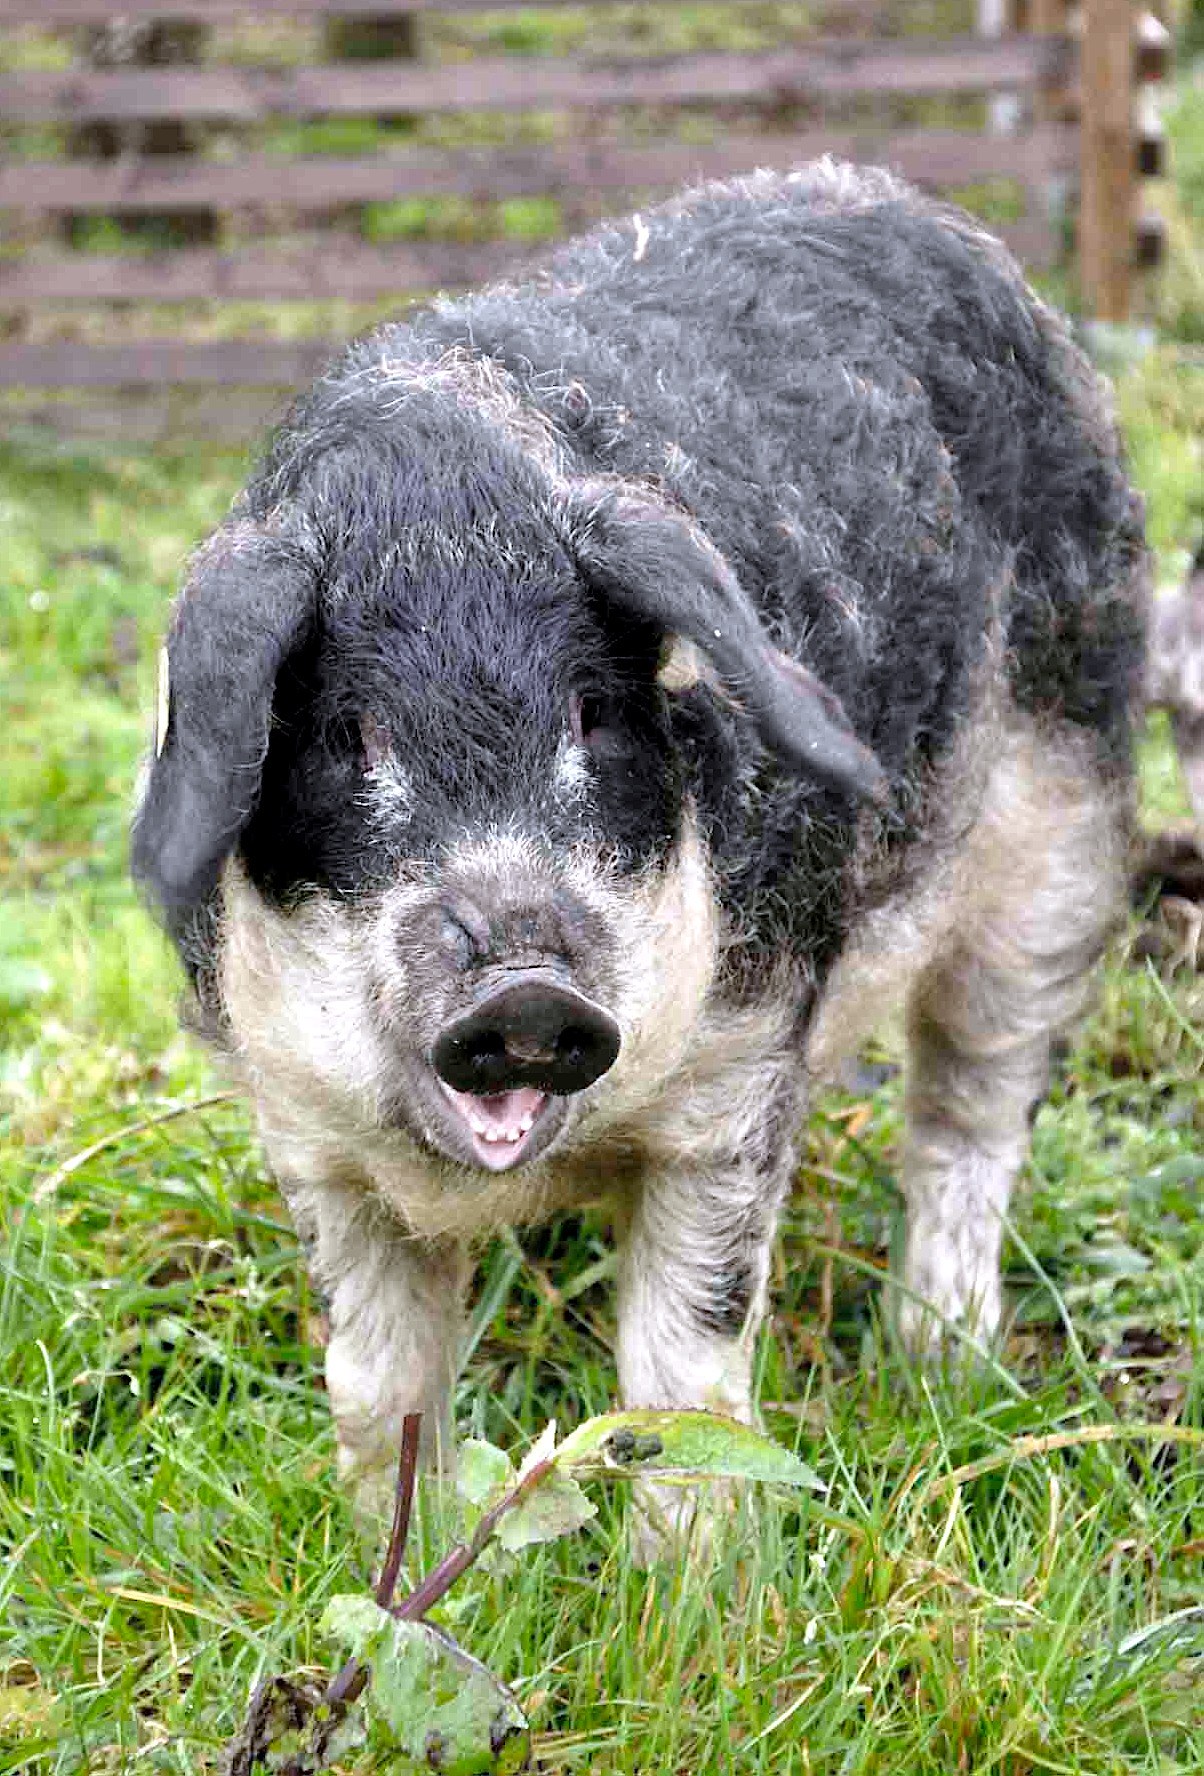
(317, 182)
(501, 83)
(83, 12)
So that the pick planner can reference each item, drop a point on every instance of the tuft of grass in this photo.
(971, 1592)
(1180, 290)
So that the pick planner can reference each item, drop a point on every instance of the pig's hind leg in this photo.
(1043, 885)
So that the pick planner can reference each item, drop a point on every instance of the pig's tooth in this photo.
(494, 1136)
(489, 1132)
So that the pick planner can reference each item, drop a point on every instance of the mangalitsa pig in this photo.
(614, 690)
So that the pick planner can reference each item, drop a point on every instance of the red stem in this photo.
(438, 1582)
(350, 1681)
(407, 1469)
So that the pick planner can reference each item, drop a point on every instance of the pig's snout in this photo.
(530, 1031)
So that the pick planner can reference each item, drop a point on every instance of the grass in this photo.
(963, 1596)
(1000, 1575)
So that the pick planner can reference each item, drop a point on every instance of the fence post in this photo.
(1108, 170)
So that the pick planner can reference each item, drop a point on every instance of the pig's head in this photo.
(419, 770)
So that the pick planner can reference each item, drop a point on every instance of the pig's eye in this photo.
(596, 723)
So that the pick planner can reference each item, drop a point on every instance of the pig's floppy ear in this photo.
(247, 605)
(654, 564)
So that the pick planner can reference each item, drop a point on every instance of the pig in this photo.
(1175, 675)
(613, 691)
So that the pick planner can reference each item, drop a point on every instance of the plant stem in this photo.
(438, 1582)
(407, 1469)
(350, 1681)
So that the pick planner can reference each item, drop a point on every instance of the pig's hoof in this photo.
(955, 1337)
(676, 1524)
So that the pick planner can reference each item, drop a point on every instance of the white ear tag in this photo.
(162, 704)
(683, 665)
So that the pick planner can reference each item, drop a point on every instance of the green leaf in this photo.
(1175, 1638)
(439, 1708)
(555, 1506)
(483, 1472)
(1115, 1257)
(680, 1446)
(541, 1452)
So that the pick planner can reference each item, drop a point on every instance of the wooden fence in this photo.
(620, 116)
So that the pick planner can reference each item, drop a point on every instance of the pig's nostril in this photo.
(485, 1054)
(577, 1047)
(528, 1032)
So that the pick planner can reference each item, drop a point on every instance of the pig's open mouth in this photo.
(500, 1124)
(512, 1066)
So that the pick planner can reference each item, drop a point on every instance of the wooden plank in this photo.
(255, 363)
(68, 12)
(1047, 18)
(563, 169)
(333, 270)
(168, 413)
(1108, 178)
(253, 94)
(1033, 242)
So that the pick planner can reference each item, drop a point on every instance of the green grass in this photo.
(175, 1530)
(994, 1578)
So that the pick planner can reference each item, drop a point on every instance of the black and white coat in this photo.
(611, 693)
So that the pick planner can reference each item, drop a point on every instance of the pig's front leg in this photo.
(693, 1277)
(395, 1306)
